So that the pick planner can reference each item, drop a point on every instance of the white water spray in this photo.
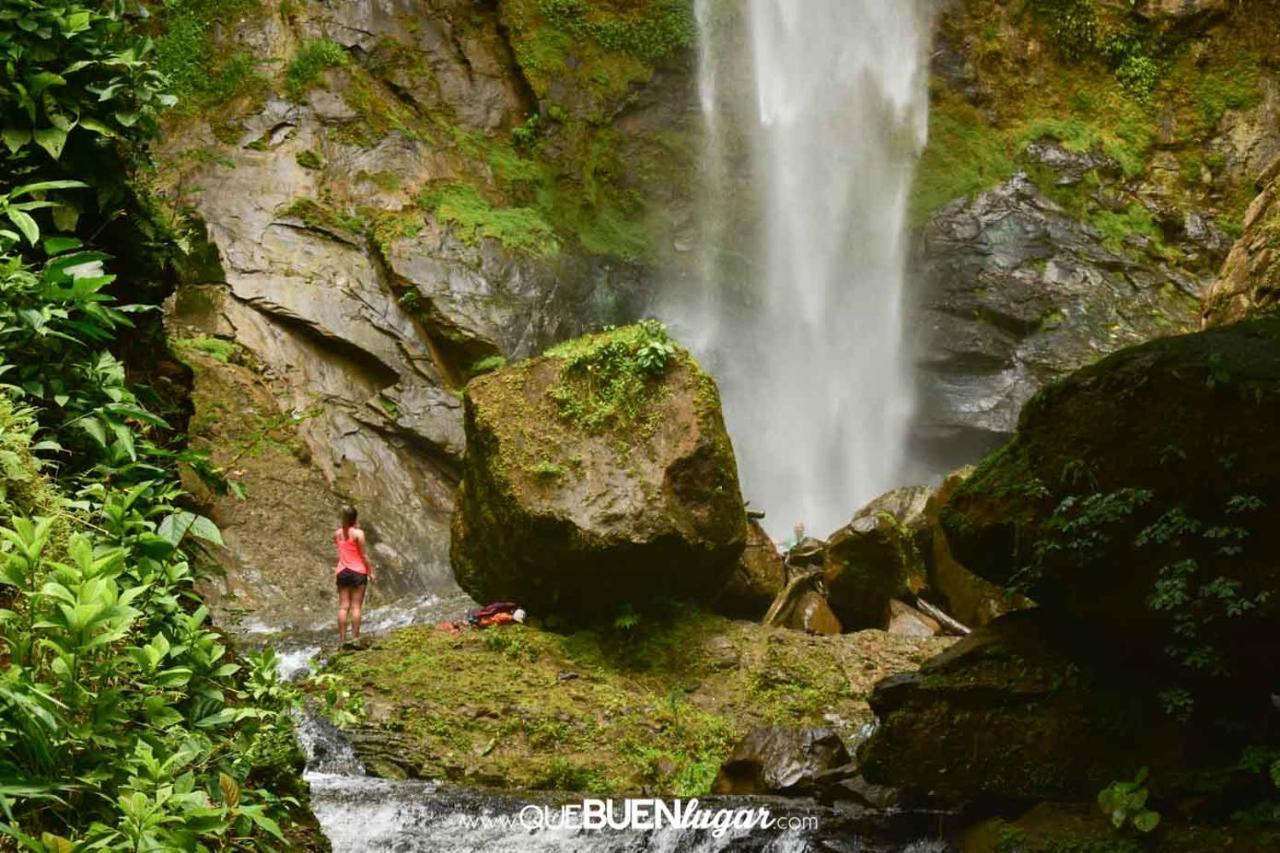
(799, 315)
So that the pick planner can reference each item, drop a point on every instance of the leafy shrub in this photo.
(73, 69)
(608, 380)
(201, 74)
(1125, 803)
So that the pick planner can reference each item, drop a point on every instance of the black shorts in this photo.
(350, 577)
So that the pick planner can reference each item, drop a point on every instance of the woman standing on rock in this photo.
(353, 573)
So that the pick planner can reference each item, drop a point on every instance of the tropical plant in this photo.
(73, 69)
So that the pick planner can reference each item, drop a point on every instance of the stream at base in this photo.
(358, 812)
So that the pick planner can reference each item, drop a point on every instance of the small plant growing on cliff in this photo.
(311, 61)
(488, 364)
(1126, 804)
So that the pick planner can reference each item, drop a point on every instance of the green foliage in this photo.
(322, 218)
(310, 62)
(309, 159)
(608, 380)
(1126, 804)
(73, 69)
(202, 75)
(219, 349)
(522, 229)
(1073, 25)
(650, 33)
(1136, 70)
(965, 155)
(342, 706)
(488, 364)
(547, 469)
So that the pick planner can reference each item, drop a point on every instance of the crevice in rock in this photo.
(363, 361)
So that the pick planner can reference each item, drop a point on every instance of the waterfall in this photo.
(815, 112)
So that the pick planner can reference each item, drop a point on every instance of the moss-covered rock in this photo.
(878, 555)
(1008, 713)
(1139, 496)
(597, 476)
(655, 706)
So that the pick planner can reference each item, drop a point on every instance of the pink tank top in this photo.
(349, 556)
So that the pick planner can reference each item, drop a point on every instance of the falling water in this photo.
(815, 112)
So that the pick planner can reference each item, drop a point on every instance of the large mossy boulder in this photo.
(1140, 498)
(1013, 713)
(596, 476)
(878, 555)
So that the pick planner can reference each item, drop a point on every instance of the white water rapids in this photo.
(815, 114)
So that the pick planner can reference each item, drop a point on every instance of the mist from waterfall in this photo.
(815, 112)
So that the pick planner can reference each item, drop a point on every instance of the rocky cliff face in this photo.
(1088, 168)
(404, 191)
(400, 192)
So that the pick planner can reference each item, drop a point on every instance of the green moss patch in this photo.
(521, 229)
(655, 705)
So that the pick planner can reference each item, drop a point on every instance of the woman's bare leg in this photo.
(344, 605)
(357, 602)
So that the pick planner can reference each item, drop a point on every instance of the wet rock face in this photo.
(780, 760)
(365, 312)
(1016, 293)
(1140, 493)
(565, 513)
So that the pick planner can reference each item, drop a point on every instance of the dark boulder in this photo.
(802, 606)
(1140, 498)
(780, 760)
(1010, 713)
(967, 597)
(878, 555)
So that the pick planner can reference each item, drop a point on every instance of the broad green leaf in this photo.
(15, 138)
(58, 245)
(24, 223)
(95, 428)
(51, 139)
(45, 186)
(1145, 821)
(204, 528)
(98, 127)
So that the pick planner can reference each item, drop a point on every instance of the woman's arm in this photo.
(364, 555)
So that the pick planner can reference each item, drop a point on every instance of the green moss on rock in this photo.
(649, 506)
(655, 706)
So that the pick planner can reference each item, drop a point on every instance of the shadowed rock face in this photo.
(1010, 713)
(1137, 492)
(1016, 293)
(561, 516)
